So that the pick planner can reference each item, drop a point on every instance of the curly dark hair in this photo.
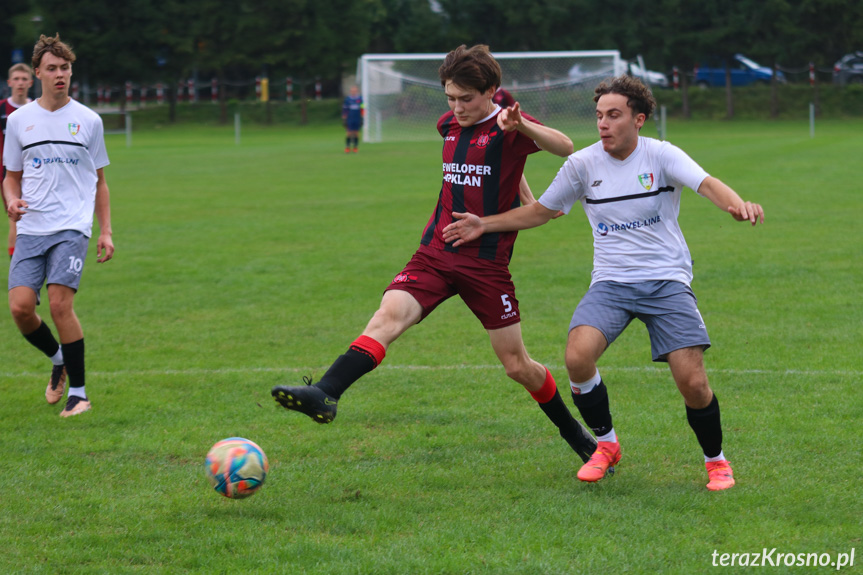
(638, 96)
(472, 68)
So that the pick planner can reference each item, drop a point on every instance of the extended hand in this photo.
(748, 211)
(466, 228)
(510, 118)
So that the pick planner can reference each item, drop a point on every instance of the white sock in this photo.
(57, 359)
(610, 437)
(587, 386)
(77, 392)
(719, 457)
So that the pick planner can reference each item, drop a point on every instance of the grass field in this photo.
(241, 267)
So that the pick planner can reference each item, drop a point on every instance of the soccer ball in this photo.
(236, 467)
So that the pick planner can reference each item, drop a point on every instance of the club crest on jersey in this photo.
(646, 180)
(482, 140)
(404, 278)
(74, 128)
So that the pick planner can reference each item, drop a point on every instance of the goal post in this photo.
(403, 96)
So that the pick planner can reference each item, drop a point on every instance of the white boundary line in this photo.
(321, 369)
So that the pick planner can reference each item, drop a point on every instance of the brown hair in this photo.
(20, 67)
(639, 98)
(53, 46)
(472, 68)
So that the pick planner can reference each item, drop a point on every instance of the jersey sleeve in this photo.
(524, 145)
(682, 169)
(97, 145)
(567, 187)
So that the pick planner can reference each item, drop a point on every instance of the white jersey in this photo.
(632, 206)
(59, 153)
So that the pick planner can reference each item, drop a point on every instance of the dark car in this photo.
(849, 69)
(743, 73)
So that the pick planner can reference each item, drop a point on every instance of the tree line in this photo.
(163, 40)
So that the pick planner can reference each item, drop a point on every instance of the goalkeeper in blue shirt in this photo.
(352, 117)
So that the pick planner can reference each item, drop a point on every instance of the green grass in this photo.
(240, 267)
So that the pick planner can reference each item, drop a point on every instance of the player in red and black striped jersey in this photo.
(503, 98)
(19, 81)
(484, 153)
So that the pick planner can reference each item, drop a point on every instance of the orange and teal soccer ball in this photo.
(236, 467)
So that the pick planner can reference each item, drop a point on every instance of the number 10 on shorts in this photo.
(75, 265)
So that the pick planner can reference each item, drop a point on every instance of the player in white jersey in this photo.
(630, 188)
(54, 154)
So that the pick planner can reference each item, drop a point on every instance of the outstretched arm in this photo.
(727, 200)
(548, 139)
(468, 227)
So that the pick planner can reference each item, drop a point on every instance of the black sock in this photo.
(594, 409)
(345, 371)
(347, 142)
(73, 355)
(356, 143)
(570, 430)
(559, 414)
(707, 426)
(43, 340)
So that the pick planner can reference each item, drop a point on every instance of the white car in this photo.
(649, 77)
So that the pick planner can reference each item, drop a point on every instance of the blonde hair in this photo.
(53, 46)
(20, 67)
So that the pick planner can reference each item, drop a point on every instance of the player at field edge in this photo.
(484, 153)
(503, 98)
(630, 188)
(353, 112)
(20, 80)
(55, 156)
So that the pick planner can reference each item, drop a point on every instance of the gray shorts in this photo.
(669, 309)
(55, 259)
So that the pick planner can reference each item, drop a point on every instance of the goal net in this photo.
(403, 96)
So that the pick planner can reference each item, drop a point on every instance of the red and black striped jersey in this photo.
(482, 167)
(5, 110)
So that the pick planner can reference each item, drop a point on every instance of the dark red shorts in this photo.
(433, 276)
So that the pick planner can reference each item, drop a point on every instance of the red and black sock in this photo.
(553, 406)
(363, 356)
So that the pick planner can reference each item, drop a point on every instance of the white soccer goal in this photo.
(403, 96)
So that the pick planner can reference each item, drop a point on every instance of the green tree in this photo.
(113, 43)
(409, 26)
(18, 31)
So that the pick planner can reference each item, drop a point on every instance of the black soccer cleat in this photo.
(307, 399)
(581, 441)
